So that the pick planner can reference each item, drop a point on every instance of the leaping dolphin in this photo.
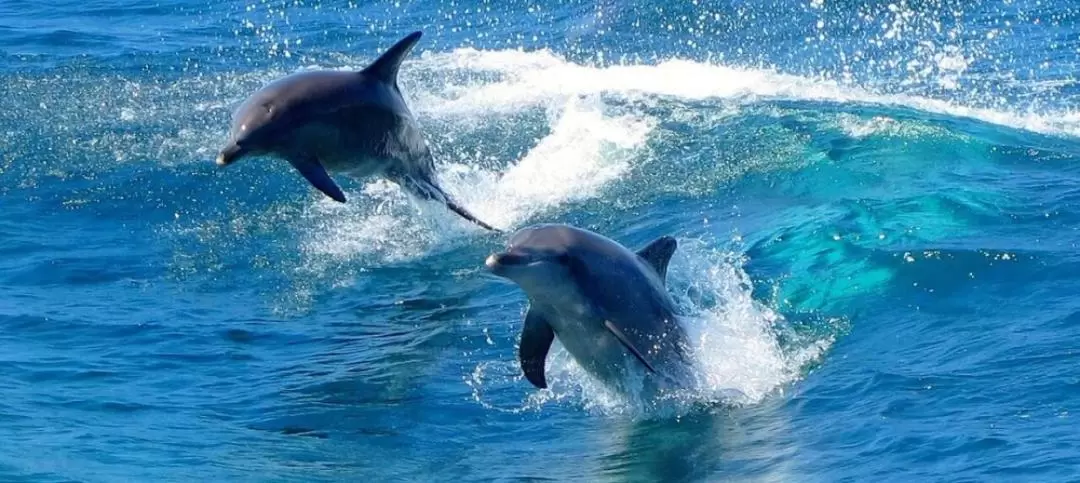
(354, 123)
(608, 305)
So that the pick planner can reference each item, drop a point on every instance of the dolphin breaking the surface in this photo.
(608, 306)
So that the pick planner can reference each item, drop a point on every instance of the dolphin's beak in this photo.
(231, 153)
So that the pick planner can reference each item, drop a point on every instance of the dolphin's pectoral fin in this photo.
(629, 346)
(658, 254)
(315, 173)
(536, 339)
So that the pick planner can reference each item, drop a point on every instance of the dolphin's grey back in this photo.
(608, 264)
(376, 85)
(363, 118)
(342, 115)
(626, 287)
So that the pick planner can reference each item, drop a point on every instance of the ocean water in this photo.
(877, 207)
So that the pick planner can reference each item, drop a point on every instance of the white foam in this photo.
(736, 342)
(585, 150)
(528, 78)
(591, 142)
(858, 127)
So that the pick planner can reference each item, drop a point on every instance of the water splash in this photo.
(736, 341)
(593, 137)
(527, 78)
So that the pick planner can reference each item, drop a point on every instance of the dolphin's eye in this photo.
(563, 259)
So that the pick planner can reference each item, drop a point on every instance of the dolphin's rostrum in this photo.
(353, 123)
(608, 306)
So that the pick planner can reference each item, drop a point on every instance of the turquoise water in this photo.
(876, 206)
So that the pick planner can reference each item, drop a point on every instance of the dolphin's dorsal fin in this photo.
(536, 338)
(385, 68)
(658, 253)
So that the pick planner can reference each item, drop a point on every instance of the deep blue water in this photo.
(877, 207)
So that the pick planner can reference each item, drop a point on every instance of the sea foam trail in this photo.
(541, 76)
(589, 143)
(584, 151)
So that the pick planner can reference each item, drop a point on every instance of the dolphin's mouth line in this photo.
(507, 259)
(230, 154)
(514, 259)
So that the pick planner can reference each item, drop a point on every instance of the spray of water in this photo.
(739, 359)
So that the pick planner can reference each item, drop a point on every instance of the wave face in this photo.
(875, 206)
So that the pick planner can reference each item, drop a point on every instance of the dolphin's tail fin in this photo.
(427, 190)
(469, 216)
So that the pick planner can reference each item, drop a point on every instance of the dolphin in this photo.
(355, 123)
(609, 306)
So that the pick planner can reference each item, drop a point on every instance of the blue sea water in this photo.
(876, 202)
